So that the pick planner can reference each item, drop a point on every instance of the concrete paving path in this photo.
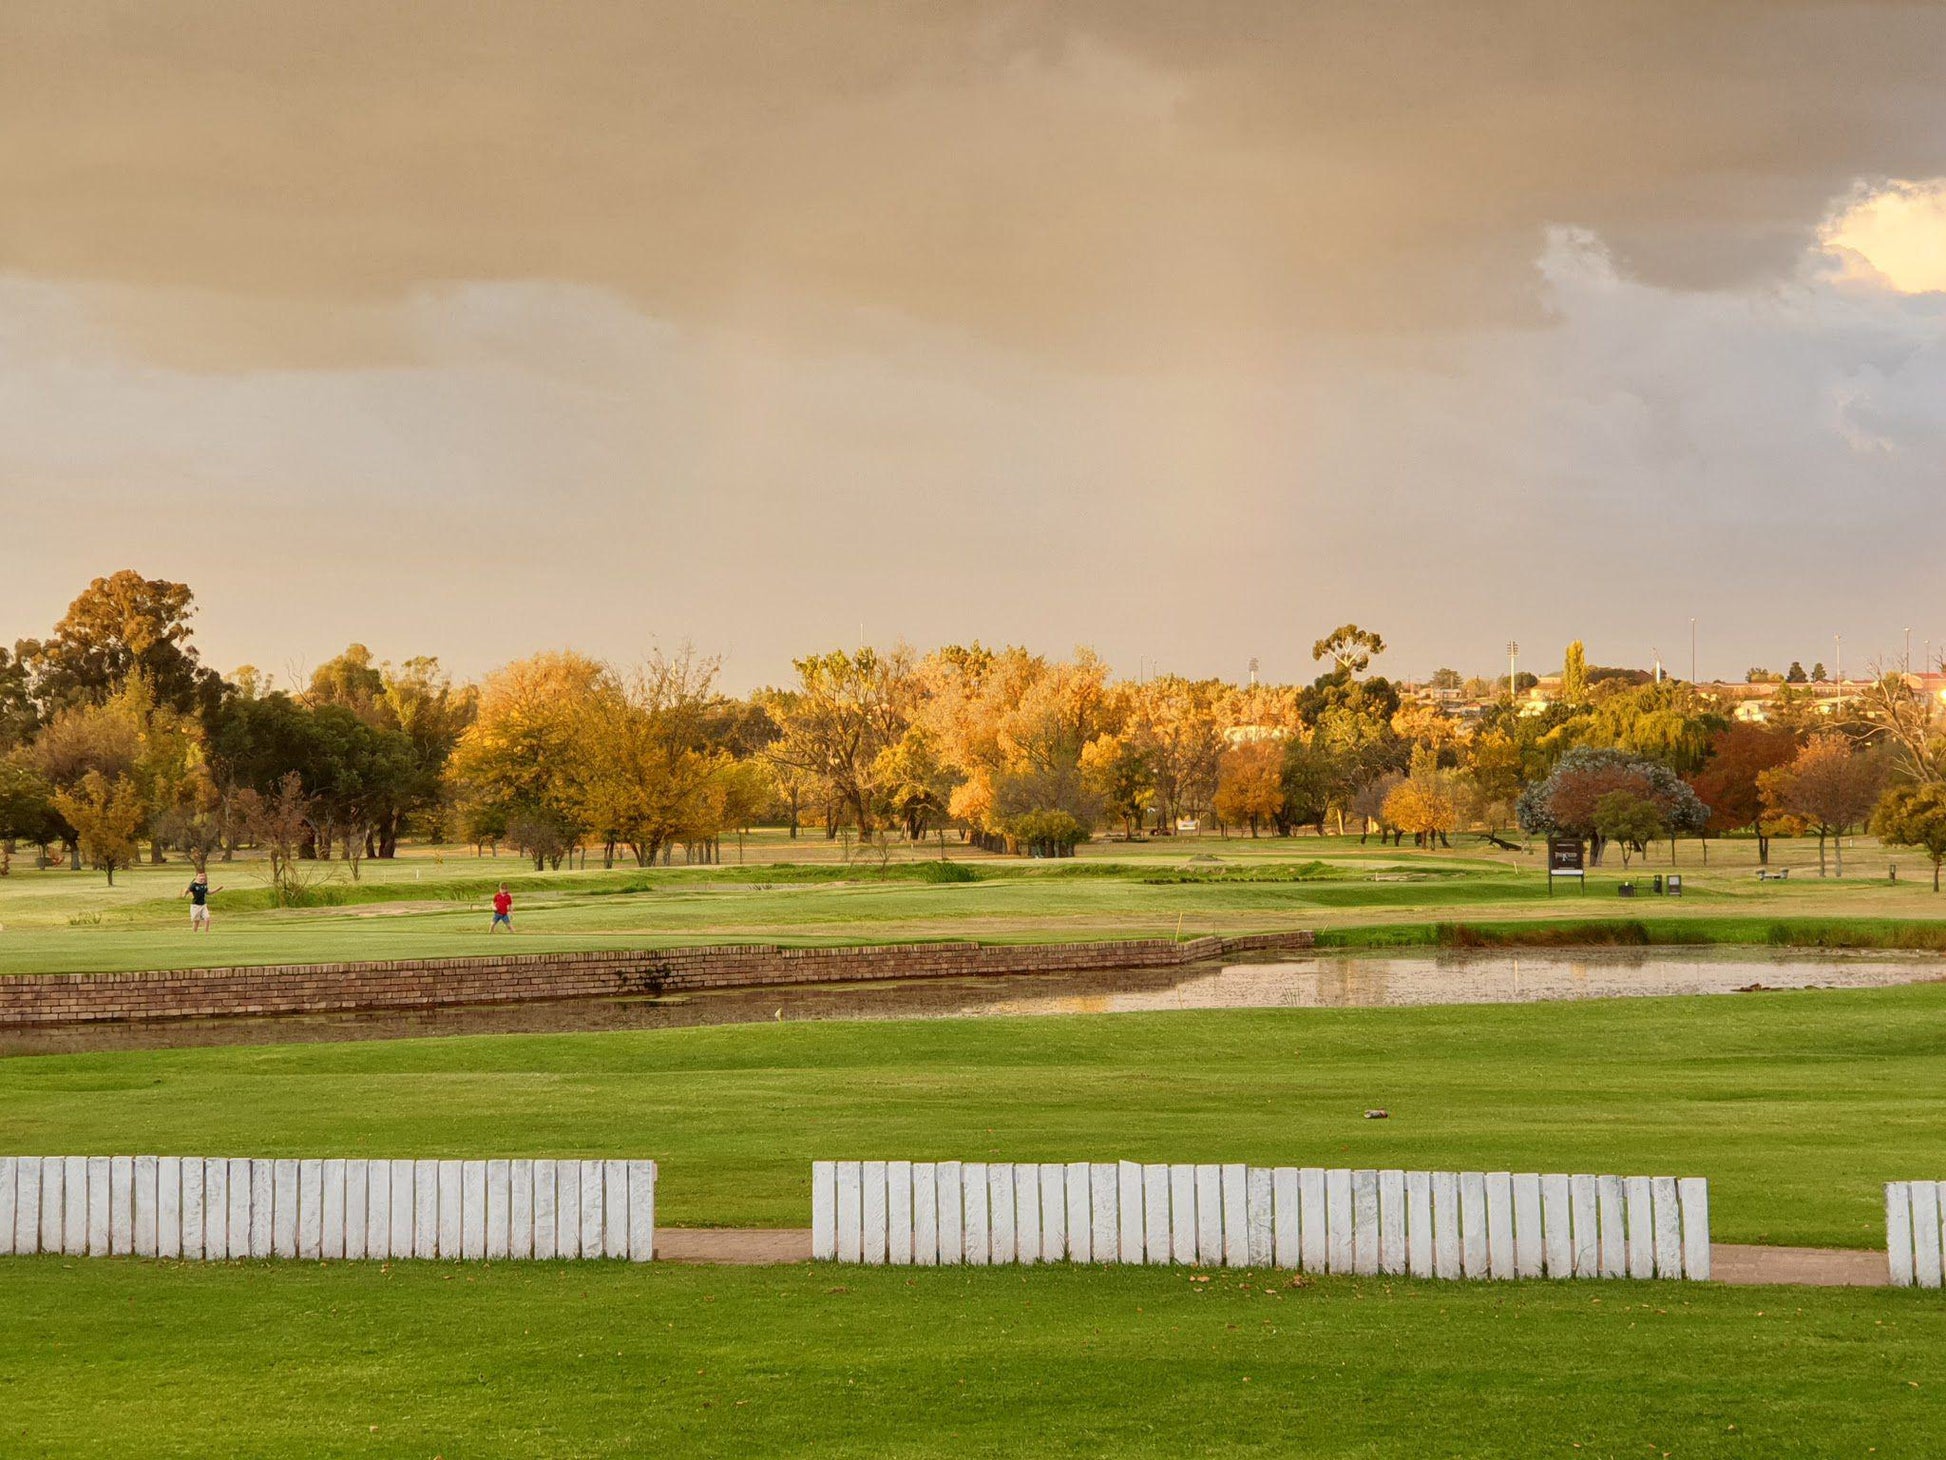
(1816, 1267)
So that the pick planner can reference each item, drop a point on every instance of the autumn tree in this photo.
(119, 626)
(278, 821)
(1423, 803)
(639, 769)
(515, 764)
(1565, 803)
(917, 783)
(846, 710)
(1117, 769)
(1915, 816)
(107, 816)
(1250, 786)
(1830, 785)
(1728, 782)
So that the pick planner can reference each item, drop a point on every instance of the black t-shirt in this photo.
(199, 894)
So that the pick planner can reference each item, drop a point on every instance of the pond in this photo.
(1321, 981)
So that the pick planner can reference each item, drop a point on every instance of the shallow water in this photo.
(1322, 981)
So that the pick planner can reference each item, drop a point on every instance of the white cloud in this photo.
(543, 463)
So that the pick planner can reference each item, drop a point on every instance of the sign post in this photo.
(1565, 859)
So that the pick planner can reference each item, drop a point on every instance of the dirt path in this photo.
(1733, 1263)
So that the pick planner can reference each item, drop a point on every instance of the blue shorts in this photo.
(499, 918)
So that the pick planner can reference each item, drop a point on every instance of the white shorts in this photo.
(198, 913)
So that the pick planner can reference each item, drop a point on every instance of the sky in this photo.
(1186, 332)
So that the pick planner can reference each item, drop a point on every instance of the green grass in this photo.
(431, 903)
(1885, 934)
(1797, 1106)
(112, 1357)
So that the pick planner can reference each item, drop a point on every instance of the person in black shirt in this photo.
(198, 892)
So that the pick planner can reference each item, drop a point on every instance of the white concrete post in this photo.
(1182, 1214)
(499, 1209)
(520, 1207)
(925, 1214)
(1054, 1212)
(1080, 1224)
(1129, 1209)
(1313, 1200)
(641, 1211)
(824, 1211)
(1694, 1194)
(1236, 1215)
(331, 1210)
(1586, 1228)
(1530, 1244)
(973, 1205)
(1287, 1225)
(871, 1210)
(1641, 1227)
(1339, 1222)
(850, 1182)
(614, 1210)
(952, 1214)
(1364, 1221)
(1391, 1222)
(1258, 1223)
(898, 1213)
(1157, 1235)
(1557, 1226)
(310, 1209)
(1609, 1200)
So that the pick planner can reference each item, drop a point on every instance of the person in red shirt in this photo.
(503, 910)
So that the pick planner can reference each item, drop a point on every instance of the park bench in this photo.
(1782, 874)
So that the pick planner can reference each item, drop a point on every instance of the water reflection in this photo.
(1325, 981)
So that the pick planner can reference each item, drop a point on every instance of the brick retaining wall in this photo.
(420, 983)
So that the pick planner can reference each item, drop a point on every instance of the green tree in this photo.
(1574, 674)
(1350, 649)
(1629, 819)
(1915, 816)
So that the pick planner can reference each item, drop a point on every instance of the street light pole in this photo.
(1692, 651)
(1513, 659)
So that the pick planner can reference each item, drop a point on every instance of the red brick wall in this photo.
(319, 988)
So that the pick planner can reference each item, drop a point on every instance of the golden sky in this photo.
(1187, 330)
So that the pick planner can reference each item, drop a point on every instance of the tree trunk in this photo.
(1820, 851)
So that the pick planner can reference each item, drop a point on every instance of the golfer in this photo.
(503, 910)
(198, 892)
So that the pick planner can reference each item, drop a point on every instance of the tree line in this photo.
(116, 742)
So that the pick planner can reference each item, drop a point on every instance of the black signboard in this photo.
(1564, 859)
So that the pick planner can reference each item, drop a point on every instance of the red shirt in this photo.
(503, 902)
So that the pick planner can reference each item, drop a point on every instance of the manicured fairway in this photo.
(1797, 1106)
(432, 904)
(115, 1357)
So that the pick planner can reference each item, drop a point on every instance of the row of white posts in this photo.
(217, 1207)
(1443, 1224)
(1915, 1232)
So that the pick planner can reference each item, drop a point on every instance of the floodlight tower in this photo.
(1513, 661)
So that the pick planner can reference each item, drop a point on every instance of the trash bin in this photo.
(1658, 884)
(1627, 889)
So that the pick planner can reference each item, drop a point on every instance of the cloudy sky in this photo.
(1187, 331)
